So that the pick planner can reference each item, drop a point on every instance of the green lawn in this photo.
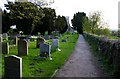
(36, 67)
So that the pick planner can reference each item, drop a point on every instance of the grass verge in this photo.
(36, 67)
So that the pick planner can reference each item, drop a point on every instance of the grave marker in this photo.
(39, 41)
(5, 48)
(55, 43)
(13, 67)
(0, 38)
(22, 48)
(45, 50)
(46, 37)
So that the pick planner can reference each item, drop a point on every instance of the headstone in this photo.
(5, 48)
(39, 41)
(5, 35)
(0, 38)
(45, 50)
(52, 36)
(55, 43)
(63, 40)
(15, 40)
(13, 67)
(46, 37)
(22, 48)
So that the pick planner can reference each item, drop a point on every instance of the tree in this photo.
(25, 15)
(61, 24)
(77, 21)
(6, 22)
(86, 24)
(95, 20)
(48, 21)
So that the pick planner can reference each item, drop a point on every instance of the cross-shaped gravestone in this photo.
(22, 48)
(45, 50)
(12, 67)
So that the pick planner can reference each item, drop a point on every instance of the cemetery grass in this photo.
(32, 66)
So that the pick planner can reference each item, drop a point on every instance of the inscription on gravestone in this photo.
(13, 66)
(22, 48)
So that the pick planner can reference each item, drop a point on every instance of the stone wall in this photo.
(108, 49)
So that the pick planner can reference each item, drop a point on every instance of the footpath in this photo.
(81, 63)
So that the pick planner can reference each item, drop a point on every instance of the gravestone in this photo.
(0, 38)
(45, 50)
(63, 40)
(46, 37)
(13, 67)
(5, 48)
(15, 40)
(55, 43)
(22, 48)
(52, 36)
(5, 35)
(39, 41)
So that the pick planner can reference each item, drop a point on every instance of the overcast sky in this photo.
(109, 9)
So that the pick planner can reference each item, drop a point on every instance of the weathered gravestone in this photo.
(5, 48)
(22, 48)
(39, 41)
(45, 50)
(13, 67)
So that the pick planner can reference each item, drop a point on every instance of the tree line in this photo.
(32, 19)
(91, 24)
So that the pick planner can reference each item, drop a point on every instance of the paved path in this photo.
(81, 63)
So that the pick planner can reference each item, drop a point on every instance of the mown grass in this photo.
(37, 67)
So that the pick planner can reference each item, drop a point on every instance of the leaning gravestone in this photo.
(13, 67)
(22, 48)
(55, 43)
(45, 50)
(39, 41)
(5, 48)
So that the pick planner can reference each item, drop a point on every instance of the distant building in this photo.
(69, 29)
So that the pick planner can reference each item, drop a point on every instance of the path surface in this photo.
(81, 63)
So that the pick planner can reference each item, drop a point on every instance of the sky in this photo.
(109, 9)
